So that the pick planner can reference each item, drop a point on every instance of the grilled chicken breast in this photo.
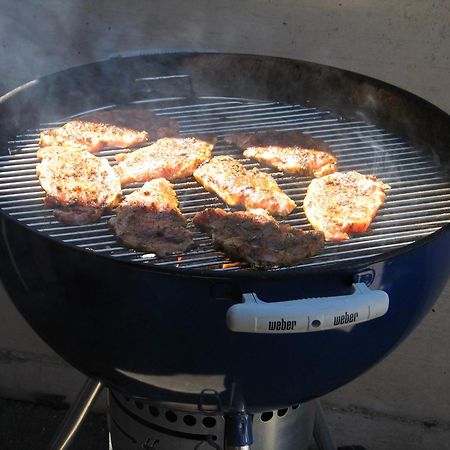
(78, 185)
(291, 152)
(149, 219)
(114, 128)
(237, 186)
(169, 158)
(342, 203)
(256, 237)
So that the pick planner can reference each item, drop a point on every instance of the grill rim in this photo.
(245, 273)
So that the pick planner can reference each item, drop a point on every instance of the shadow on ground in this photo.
(31, 426)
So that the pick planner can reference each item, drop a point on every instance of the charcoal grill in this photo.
(156, 328)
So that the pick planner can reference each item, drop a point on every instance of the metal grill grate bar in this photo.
(418, 202)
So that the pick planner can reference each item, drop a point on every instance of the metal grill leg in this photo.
(238, 431)
(76, 414)
(322, 435)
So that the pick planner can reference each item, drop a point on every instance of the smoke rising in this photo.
(387, 41)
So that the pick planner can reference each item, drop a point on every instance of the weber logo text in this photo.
(282, 325)
(345, 318)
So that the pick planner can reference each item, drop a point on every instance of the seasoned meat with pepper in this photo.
(256, 237)
(149, 219)
(169, 158)
(343, 202)
(291, 152)
(237, 186)
(114, 128)
(78, 185)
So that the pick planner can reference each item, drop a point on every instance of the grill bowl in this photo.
(156, 328)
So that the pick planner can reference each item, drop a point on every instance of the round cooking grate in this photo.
(417, 205)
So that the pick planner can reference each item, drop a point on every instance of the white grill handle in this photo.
(304, 315)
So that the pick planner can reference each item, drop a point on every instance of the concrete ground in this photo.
(31, 426)
(377, 431)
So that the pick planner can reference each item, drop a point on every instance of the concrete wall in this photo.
(404, 42)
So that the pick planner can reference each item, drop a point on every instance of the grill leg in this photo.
(322, 436)
(76, 414)
(238, 431)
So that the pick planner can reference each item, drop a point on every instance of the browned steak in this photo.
(79, 186)
(237, 186)
(149, 219)
(169, 158)
(343, 202)
(256, 237)
(113, 128)
(292, 152)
